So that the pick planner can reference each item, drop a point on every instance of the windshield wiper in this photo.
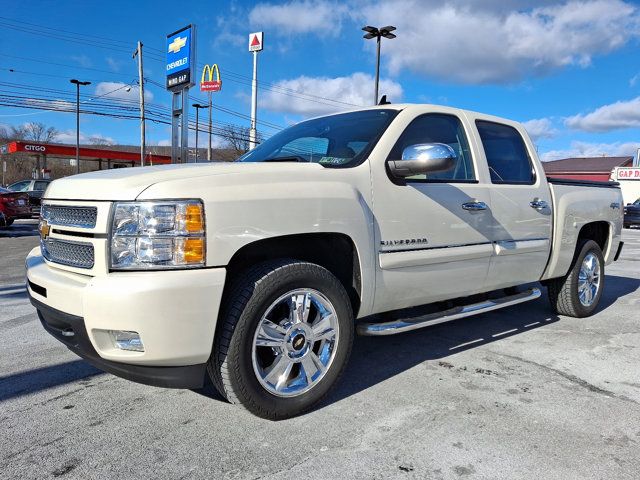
(289, 158)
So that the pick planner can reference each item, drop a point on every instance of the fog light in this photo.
(127, 340)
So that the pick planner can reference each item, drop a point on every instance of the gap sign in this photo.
(180, 58)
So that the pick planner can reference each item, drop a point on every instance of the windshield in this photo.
(637, 202)
(335, 141)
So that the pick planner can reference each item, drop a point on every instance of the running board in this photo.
(406, 325)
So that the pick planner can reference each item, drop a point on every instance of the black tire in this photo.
(563, 291)
(230, 366)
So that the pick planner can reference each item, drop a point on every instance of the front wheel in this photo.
(284, 339)
(578, 293)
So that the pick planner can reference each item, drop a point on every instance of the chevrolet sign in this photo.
(180, 58)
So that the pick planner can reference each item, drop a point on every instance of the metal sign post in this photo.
(255, 45)
(181, 61)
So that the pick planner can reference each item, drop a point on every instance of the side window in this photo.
(20, 186)
(506, 154)
(40, 186)
(438, 128)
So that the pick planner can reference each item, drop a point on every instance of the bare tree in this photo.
(99, 140)
(35, 132)
(236, 138)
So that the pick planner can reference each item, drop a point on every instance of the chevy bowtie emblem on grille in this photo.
(44, 228)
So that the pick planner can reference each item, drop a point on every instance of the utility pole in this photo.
(138, 52)
(197, 106)
(77, 84)
(210, 128)
(378, 33)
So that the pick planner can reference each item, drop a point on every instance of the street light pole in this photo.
(197, 106)
(378, 33)
(77, 84)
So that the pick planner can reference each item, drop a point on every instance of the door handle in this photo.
(474, 206)
(538, 204)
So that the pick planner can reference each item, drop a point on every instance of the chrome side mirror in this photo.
(423, 158)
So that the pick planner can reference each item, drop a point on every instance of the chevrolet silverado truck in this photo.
(258, 273)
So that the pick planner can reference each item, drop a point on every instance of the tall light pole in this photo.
(197, 106)
(378, 33)
(78, 83)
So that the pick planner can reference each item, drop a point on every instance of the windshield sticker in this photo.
(334, 160)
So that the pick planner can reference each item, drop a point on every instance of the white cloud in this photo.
(586, 149)
(60, 105)
(622, 114)
(121, 91)
(469, 42)
(354, 91)
(69, 136)
(82, 60)
(295, 17)
(113, 64)
(540, 128)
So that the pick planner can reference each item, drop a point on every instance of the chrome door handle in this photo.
(474, 206)
(538, 204)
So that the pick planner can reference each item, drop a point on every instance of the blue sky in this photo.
(570, 70)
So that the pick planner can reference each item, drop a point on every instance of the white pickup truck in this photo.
(258, 273)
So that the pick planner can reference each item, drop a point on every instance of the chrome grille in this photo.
(72, 254)
(66, 216)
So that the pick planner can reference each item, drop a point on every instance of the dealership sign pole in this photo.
(181, 61)
(255, 46)
(210, 86)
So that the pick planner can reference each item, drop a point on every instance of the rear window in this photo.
(506, 154)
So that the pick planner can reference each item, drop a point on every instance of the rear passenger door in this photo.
(521, 206)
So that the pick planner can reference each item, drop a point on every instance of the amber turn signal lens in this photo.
(194, 221)
(194, 250)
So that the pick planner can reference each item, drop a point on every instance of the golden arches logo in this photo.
(210, 85)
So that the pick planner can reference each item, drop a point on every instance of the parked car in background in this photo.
(13, 205)
(34, 189)
(632, 214)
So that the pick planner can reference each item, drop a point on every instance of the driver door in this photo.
(433, 230)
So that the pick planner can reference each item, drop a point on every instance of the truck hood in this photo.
(129, 183)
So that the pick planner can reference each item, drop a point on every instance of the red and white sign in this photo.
(628, 173)
(255, 41)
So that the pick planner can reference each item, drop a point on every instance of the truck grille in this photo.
(62, 215)
(73, 254)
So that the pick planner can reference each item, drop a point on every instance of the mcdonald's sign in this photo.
(210, 85)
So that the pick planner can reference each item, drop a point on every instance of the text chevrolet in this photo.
(257, 273)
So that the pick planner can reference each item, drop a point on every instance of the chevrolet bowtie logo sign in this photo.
(177, 44)
(44, 229)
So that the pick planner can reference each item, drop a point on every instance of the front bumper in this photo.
(71, 331)
(174, 312)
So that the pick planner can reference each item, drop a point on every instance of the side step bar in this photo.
(408, 324)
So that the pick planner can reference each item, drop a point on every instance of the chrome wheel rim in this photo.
(295, 342)
(589, 280)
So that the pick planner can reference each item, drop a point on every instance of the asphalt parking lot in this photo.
(516, 393)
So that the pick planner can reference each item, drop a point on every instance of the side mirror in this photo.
(423, 158)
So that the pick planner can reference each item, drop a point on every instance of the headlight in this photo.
(157, 235)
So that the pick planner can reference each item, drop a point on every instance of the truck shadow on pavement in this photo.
(20, 229)
(36, 380)
(376, 359)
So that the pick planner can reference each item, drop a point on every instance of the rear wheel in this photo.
(578, 293)
(284, 340)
